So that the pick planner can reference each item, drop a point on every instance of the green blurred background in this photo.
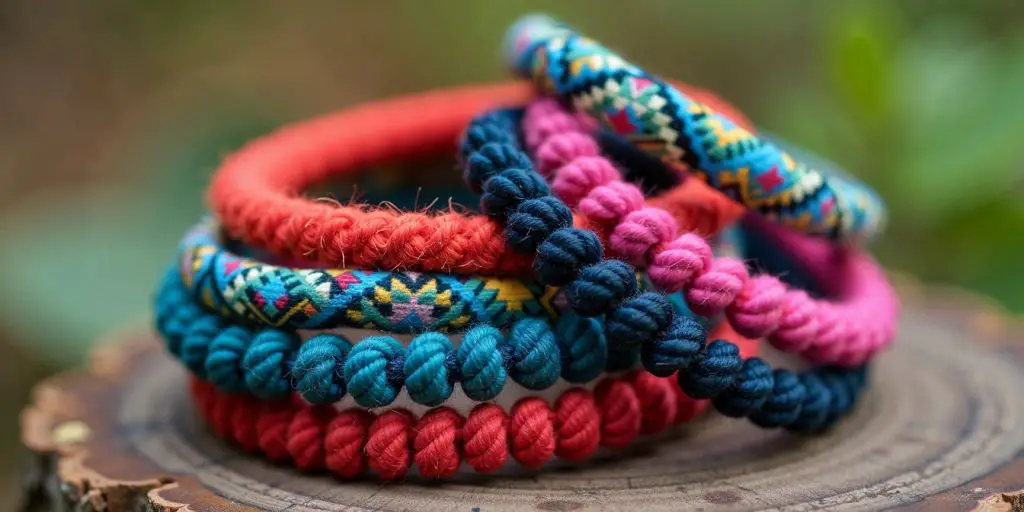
(115, 113)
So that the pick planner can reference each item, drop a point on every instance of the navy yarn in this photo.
(713, 371)
(815, 407)
(561, 257)
(491, 159)
(750, 390)
(596, 287)
(638, 320)
(533, 222)
(783, 405)
(676, 348)
(508, 189)
(600, 287)
(621, 360)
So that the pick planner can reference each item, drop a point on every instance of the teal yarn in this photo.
(480, 362)
(369, 372)
(195, 346)
(268, 361)
(426, 374)
(318, 369)
(583, 346)
(535, 362)
(223, 362)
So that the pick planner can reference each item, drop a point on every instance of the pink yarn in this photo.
(758, 308)
(560, 148)
(611, 202)
(641, 230)
(846, 332)
(714, 290)
(676, 265)
(581, 175)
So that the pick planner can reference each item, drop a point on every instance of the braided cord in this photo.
(537, 222)
(679, 130)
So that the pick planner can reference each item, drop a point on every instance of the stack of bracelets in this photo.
(611, 285)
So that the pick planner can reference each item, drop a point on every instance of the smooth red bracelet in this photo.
(256, 192)
(355, 441)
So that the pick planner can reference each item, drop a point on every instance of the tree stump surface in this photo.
(941, 428)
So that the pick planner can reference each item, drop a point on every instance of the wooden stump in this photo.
(942, 427)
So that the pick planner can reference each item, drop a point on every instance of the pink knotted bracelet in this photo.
(847, 330)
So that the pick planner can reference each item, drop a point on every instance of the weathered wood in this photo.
(942, 428)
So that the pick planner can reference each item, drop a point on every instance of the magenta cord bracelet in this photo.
(847, 330)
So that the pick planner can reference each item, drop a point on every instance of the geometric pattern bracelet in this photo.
(270, 363)
(397, 302)
(665, 122)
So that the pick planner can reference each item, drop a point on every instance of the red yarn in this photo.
(243, 424)
(387, 446)
(255, 192)
(305, 436)
(344, 441)
(350, 442)
(577, 425)
(621, 421)
(272, 429)
(484, 435)
(437, 441)
(531, 433)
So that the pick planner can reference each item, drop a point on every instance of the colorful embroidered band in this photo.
(353, 442)
(664, 121)
(536, 222)
(398, 302)
(255, 193)
(847, 330)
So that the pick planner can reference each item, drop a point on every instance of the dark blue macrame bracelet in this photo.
(536, 221)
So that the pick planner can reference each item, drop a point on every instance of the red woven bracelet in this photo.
(256, 192)
(354, 441)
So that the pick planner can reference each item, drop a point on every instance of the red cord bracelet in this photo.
(255, 193)
(355, 441)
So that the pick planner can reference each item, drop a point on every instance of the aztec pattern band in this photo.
(661, 120)
(398, 302)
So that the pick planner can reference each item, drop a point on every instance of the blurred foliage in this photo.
(918, 98)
